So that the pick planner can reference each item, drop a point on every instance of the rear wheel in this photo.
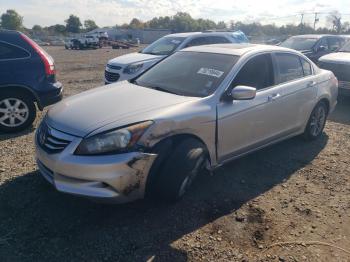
(180, 169)
(316, 121)
(17, 111)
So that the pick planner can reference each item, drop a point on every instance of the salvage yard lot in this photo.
(293, 192)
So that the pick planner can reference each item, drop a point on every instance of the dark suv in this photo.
(314, 46)
(27, 77)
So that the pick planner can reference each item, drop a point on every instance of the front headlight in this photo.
(115, 141)
(133, 68)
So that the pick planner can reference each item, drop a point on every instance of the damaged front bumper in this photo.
(116, 178)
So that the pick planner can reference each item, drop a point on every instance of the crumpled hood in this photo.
(339, 58)
(133, 58)
(117, 103)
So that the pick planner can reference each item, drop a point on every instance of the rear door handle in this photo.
(273, 97)
(311, 84)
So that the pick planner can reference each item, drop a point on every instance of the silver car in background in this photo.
(195, 110)
(131, 65)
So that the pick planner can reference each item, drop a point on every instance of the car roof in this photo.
(235, 49)
(313, 36)
(189, 34)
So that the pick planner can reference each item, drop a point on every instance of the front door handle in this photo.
(273, 97)
(311, 84)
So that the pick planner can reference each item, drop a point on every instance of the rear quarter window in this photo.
(289, 67)
(8, 51)
(306, 67)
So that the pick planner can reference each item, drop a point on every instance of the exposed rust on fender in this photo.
(130, 188)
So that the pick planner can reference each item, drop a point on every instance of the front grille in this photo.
(114, 67)
(344, 85)
(51, 140)
(341, 71)
(111, 77)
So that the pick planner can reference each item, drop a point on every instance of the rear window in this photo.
(8, 51)
(289, 66)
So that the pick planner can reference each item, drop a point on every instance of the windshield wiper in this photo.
(158, 88)
(162, 89)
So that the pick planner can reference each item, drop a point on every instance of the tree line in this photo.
(180, 22)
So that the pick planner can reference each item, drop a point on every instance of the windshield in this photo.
(345, 48)
(163, 46)
(188, 73)
(299, 43)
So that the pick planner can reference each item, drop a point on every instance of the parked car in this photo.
(57, 42)
(71, 44)
(314, 46)
(84, 42)
(197, 109)
(339, 64)
(131, 65)
(41, 43)
(27, 77)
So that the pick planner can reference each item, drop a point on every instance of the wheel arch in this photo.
(326, 101)
(163, 148)
(23, 89)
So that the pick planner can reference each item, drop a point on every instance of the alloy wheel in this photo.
(187, 182)
(13, 112)
(318, 119)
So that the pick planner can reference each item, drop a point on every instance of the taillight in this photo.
(45, 57)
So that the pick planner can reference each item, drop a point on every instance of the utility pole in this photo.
(301, 23)
(315, 21)
(302, 19)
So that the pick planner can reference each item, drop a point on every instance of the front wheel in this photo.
(180, 169)
(17, 111)
(316, 122)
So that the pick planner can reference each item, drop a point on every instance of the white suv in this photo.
(131, 65)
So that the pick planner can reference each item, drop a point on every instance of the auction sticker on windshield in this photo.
(210, 72)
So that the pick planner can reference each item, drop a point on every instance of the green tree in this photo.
(11, 20)
(73, 24)
(90, 25)
(57, 29)
(136, 24)
(37, 28)
(221, 25)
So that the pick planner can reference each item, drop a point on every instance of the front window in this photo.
(345, 48)
(163, 46)
(188, 73)
(299, 43)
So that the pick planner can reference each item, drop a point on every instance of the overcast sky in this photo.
(111, 12)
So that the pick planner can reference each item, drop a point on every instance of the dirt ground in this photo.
(288, 202)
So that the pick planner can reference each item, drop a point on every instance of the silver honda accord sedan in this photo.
(194, 111)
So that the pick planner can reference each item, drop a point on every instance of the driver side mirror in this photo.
(243, 93)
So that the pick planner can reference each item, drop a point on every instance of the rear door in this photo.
(247, 124)
(298, 87)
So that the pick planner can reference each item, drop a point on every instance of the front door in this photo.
(246, 124)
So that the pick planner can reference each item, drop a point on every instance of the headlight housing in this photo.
(115, 141)
(133, 68)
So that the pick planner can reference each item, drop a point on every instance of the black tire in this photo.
(27, 102)
(316, 122)
(179, 170)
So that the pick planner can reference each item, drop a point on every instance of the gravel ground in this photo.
(288, 202)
